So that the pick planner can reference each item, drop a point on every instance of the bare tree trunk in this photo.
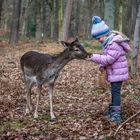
(60, 18)
(55, 20)
(67, 19)
(6, 15)
(130, 8)
(1, 4)
(109, 14)
(39, 20)
(15, 23)
(118, 15)
(136, 46)
(46, 20)
(24, 15)
(75, 19)
(77, 15)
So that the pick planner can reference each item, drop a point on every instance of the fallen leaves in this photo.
(79, 102)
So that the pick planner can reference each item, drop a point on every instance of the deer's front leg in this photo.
(51, 101)
(28, 103)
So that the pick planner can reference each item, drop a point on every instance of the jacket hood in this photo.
(122, 40)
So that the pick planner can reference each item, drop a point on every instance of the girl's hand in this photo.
(89, 59)
(101, 69)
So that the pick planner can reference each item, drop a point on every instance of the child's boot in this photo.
(115, 114)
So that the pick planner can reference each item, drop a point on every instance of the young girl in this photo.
(113, 60)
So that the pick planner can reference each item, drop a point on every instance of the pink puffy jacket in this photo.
(114, 59)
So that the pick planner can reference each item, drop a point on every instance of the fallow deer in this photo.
(39, 68)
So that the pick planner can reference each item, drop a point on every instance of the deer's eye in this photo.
(76, 50)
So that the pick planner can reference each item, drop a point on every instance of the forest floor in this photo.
(79, 101)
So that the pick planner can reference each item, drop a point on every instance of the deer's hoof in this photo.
(27, 111)
(31, 108)
(53, 119)
(35, 116)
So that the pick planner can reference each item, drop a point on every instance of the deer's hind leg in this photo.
(37, 101)
(29, 86)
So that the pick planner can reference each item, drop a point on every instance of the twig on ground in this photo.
(120, 126)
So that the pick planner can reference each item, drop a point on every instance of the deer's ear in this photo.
(77, 40)
(65, 44)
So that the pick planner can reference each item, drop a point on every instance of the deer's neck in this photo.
(61, 60)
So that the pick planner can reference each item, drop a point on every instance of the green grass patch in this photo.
(72, 116)
(134, 85)
(12, 125)
(45, 117)
(5, 36)
(106, 138)
(132, 96)
(56, 126)
(94, 46)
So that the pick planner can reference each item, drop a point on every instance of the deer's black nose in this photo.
(89, 55)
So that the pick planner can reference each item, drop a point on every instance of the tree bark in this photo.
(1, 5)
(39, 22)
(135, 52)
(47, 9)
(15, 22)
(75, 18)
(130, 8)
(118, 15)
(67, 19)
(60, 18)
(24, 15)
(30, 19)
(55, 20)
(109, 14)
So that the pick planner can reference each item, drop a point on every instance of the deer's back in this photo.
(35, 61)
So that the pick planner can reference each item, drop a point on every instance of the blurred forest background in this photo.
(61, 19)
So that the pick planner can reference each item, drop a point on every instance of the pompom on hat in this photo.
(99, 28)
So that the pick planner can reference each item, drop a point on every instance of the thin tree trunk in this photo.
(24, 17)
(67, 19)
(77, 14)
(38, 20)
(15, 23)
(118, 15)
(130, 8)
(109, 14)
(1, 5)
(60, 18)
(55, 20)
(75, 19)
(136, 46)
(46, 20)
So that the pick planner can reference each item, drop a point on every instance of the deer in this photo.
(39, 68)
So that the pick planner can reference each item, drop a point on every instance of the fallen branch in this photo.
(120, 126)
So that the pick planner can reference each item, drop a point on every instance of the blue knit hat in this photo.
(99, 28)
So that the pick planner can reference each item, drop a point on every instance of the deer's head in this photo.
(76, 50)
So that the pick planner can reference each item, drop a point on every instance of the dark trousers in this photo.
(116, 93)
